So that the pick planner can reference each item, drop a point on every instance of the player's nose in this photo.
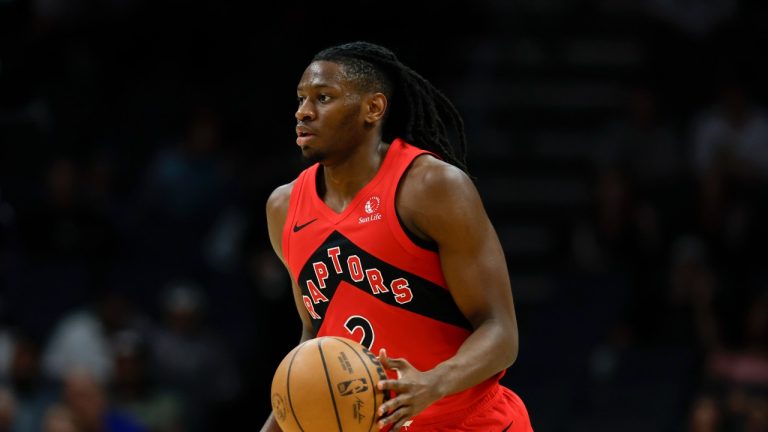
(305, 111)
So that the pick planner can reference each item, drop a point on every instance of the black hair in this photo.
(419, 113)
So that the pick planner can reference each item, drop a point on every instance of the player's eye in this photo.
(323, 98)
(300, 99)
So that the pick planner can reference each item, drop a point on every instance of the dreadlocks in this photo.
(422, 115)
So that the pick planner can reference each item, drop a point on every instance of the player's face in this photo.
(329, 116)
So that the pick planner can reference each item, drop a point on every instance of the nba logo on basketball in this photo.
(351, 387)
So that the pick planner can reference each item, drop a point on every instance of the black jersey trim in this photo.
(429, 299)
(418, 241)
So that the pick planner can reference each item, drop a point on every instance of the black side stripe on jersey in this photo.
(429, 299)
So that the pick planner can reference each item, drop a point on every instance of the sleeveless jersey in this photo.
(362, 277)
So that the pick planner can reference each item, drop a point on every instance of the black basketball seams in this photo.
(330, 386)
(288, 386)
(370, 377)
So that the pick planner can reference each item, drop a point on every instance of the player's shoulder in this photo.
(280, 199)
(431, 175)
(436, 197)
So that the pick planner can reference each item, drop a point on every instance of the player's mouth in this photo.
(303, 135)
(304, 138)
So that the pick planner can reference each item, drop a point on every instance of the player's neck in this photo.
(343, 180)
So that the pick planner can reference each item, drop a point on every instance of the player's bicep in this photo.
(476, 273)
(470, 252)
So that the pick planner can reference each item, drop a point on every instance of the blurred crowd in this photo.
(681, 215)
(138, 290)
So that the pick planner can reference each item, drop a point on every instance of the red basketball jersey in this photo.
(363, 278)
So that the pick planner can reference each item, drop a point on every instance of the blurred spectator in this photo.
(190, 358)
(7, 410)
(66, 243)
(731, 158)
(32, 392)
(85, 396)
(640, 143)
(735, 397)
(6, 351)
(223, 244)
(731, 138)
(186, 185)
(686, 316)
(57, 228)
(186, 180)
(83, 337)
(639, 164)
(605, 241)
(58, 418)
(705, 416)
(133, 390)
(184, 191)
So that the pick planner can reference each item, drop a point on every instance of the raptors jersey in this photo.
(362, 277)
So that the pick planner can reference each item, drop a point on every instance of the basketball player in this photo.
(387, 243)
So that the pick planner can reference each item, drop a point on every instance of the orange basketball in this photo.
(327, 384)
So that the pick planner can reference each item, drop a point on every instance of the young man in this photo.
(387, 242)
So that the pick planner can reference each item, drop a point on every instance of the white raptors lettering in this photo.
(353, 266)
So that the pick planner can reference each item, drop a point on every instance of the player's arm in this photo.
(277, 211)
(439, 202)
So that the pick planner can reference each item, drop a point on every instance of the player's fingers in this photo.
(400, 415)
(383, 353)
(399, 365)
(394, 404)
(383, 359)
(397, 386)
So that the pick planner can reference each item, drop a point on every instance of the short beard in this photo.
(313, 157)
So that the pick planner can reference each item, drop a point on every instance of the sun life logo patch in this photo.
(372, 204)
(372, 210)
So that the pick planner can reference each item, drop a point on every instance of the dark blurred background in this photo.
(621, 148)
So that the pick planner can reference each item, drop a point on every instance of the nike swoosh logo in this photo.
(507, 428)
(297, 228)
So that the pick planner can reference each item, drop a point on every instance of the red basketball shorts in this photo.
(500, 411)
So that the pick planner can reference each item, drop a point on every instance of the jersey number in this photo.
(357, 322)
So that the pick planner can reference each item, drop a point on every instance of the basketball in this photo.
(327, 384)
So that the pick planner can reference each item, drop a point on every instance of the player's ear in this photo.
(376, 106)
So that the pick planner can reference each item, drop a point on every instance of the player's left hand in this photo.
(415, 391)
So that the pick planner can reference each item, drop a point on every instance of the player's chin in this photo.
(312, 155)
